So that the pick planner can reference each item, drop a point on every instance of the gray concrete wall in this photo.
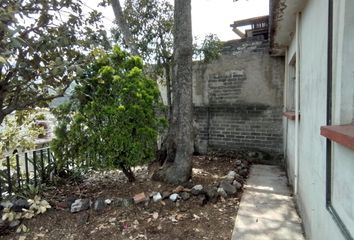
(238, 98)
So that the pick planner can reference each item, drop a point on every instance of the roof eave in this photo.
(282, 23)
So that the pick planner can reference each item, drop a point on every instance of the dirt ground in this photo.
(184, 219)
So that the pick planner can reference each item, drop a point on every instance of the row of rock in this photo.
(229, 186)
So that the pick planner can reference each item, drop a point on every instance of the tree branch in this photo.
(123, 25)
(31, 103)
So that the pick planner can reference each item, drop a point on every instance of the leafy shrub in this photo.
(111, 119)
(19, 131)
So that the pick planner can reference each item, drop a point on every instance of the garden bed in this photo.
(192, 216)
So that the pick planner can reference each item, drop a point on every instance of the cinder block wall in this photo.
(238, 99)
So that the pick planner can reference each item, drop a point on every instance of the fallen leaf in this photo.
(180, 216)
(173, 219)
(141, 236)
(112, 220)
(155, 215)
(178, 189)
(196, 217)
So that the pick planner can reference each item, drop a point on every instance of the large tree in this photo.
(146, 27)
(124, 28)
(43, 45)
(177, 167)
(150, 24)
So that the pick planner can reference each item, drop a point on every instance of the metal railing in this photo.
(23, 169)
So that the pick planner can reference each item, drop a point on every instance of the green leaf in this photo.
(2, 60)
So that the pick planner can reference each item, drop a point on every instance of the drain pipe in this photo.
(286, 121)
(329, 103)
(297, 104)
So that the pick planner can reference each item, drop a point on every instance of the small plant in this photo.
(46, 172)
(30, 191)
(38, 205)
(9, 215)
(22, 228)
(71, 175)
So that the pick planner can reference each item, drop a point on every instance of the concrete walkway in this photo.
(267, 210)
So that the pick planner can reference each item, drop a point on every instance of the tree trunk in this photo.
(2, 117)
(128, 173)
(167, 67)
(177, 167)
(123, 26)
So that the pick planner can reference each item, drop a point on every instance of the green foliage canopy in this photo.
(151, 25)
(111, 118)
(43, 46)
(209, 50)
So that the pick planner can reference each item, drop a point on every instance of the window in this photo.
(290, 101)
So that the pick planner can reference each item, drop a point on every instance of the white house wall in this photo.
(290, 124)
(291, 50)
(313, 26)
(290, 150)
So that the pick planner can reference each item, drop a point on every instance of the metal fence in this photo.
(23, 169)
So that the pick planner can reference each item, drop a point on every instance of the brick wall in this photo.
(225, 88)
(238, 99)
(239, 127)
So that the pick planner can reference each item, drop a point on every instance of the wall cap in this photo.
(290, 115)
(341, 134)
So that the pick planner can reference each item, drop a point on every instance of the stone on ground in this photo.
(228, 187)
(139, 198)
(185, 196)
(197, 189)
(80, 205)
(174, 197)
(99, 204)
(19, 204)
(157, 197)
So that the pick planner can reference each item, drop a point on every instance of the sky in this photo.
(215, 16)
(211, 16)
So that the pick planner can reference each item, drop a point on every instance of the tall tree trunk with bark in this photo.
(177, 167)
(167, 67)
(122, 24)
